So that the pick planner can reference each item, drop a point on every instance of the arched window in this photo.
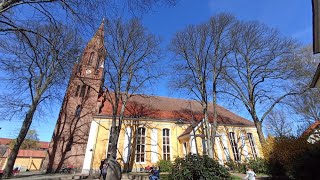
(78, 111)
(141, 144)
(77, 91)
(234, 146)
(83, 90)
(97, 64)
(90, 59)
(88, 91)
(166, 144)
(252, 146)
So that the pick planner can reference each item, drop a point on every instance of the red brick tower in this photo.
(70, 136)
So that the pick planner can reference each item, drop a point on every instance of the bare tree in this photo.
(192, 48)
(256, 71)
(133, 54)
(278, 124)
(35, 66)
(31, 141)
(73, 12)
(306, 105)
(221, 27)
(200, 51)
(142, 5)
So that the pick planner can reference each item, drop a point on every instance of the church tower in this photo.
(68, 143)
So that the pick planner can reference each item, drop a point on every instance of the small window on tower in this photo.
(97, 64)
(91, 58)
(83, 90)
(77, 91)
(88, 91)
(78, 111)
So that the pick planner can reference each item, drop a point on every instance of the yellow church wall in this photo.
(176, 149)
(239, 132)
(176, 146)
(102, 140)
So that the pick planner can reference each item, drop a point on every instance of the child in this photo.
(155, 174)
(104, 171)
(250, 174)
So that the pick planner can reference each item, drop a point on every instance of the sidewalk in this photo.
(38, 175)
(261, 177)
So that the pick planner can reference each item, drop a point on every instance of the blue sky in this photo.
(291, 17)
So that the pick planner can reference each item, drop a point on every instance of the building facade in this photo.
(70, 135)
(161, 128)
(154, 128)
(27, 159)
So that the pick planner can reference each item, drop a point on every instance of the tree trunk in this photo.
(114, 169)
(259, 131)
(22, 134)
(215, 115)
(209, 150)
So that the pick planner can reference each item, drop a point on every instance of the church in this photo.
(154, 128)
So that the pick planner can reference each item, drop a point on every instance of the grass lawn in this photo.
(235, 177)
(164, 176)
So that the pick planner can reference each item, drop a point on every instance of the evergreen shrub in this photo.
(197, 167)
(165, 165)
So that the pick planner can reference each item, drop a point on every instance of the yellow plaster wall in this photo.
(29, 163)
(238, 132)
(176, 146)
(3, 162)
(103, 139)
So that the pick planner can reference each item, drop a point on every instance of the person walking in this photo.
(104, 170)
(100, 167)
(250, 174)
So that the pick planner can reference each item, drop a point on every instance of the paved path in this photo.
(261, 177)
(37, 175)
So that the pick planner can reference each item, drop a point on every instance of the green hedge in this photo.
(197, 167)
(165, 165)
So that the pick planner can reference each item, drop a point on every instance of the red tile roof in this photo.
(5, 141)
(42, 145)
(29, 153)
(164, 108)
(311, 128)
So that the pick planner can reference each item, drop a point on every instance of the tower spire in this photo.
(98, 38)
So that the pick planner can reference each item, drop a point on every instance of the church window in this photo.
(97, 65)
(77, 91)
(141, 143)
(90, 59)
(79, 69)
(234, 146)
(166, 144)
(252, 145)
(83, 90)
(78, 111)
(88, 91)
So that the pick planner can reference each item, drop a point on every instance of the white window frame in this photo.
(139, 151)
(166, 145)
(252, 145)
(234, 146)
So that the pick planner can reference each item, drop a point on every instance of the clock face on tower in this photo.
(88, 71)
